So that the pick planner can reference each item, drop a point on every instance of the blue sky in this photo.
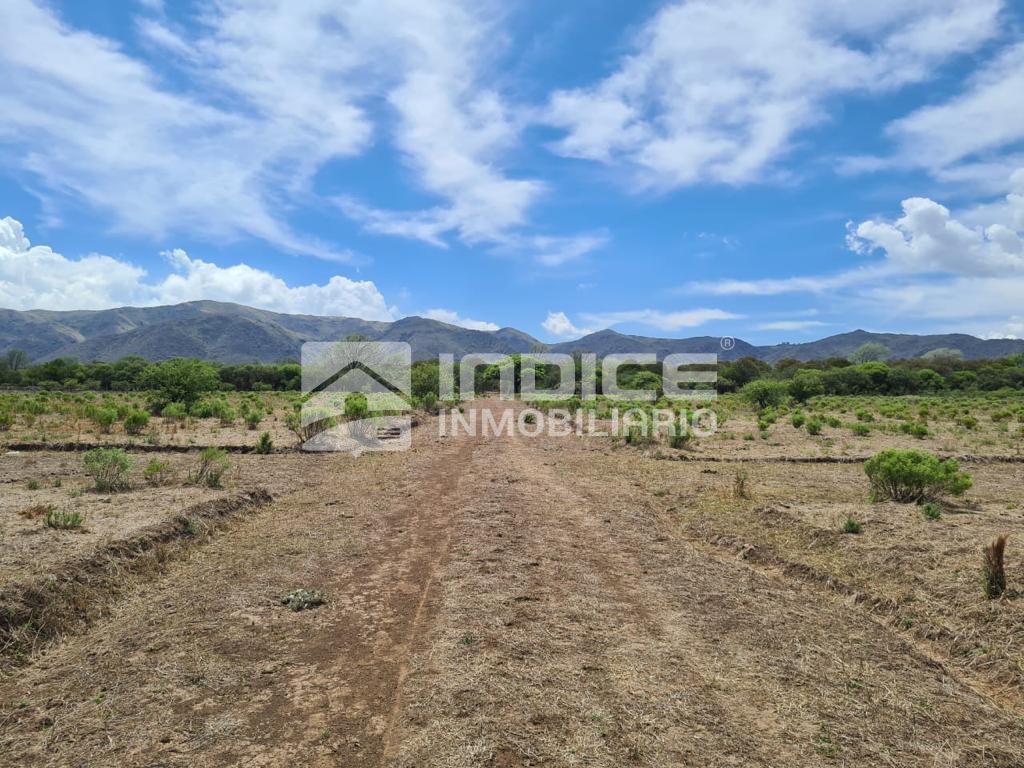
(778, 170)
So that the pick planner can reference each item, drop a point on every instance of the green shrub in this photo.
(32, 485)
(174, 412)
(763, 393)
(798, 419)
(63, 519)
(967, 422)
(252, 418)
(860, 430)
(105, 418)
(265, 445)
(814, 426)
(213, 463)
(157, 472)
(914, 428)
(356, 406)
(805, 385)
(833, 422)
(135, 422)
(863, 415)
(907, 476)
(931, 510)
(6, 420)
(851, 525)
(109, 468)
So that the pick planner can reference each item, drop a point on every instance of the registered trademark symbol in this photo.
(728, 342)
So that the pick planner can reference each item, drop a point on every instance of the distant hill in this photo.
(232, 333)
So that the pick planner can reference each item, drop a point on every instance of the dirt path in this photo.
(504, 602)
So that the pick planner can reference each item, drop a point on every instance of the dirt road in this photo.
(491, 602)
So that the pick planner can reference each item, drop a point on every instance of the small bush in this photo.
(109, 468)
(6, 420)
(798, 420)
(63, 519)
(32, 485)
(931, 511)
(907, 476)
(814, 425)
(680, 439)
(265, 445)
(967, 422)
(105, 418)
(860, 429)
(174, 412)
(135, 422)
(213, 463)
(157, 472)
(851, 525)
(916, 429)
(252, 419)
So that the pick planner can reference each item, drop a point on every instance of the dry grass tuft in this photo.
(993, 569)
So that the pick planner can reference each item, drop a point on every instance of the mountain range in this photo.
(232, 333)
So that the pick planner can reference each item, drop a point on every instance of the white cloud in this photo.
(716, 91)
(663, 321)
(452, 318)
(961, 137)
(35, 277)
(90, 121)
(789, 325)
(804, 284)
(558, 324)
(234, 136)
(926, 239)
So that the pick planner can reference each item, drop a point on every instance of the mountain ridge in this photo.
(234, 333)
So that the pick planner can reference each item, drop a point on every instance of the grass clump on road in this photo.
(914, 476)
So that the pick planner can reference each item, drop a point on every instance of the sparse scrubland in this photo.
(825, 578)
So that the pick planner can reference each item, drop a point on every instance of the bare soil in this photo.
(543, 601)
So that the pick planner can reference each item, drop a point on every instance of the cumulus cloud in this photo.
(36, 277)
(926, 239)
(453, 318)
(715, 91)
(558, 324)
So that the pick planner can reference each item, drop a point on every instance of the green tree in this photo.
(870, 352)
(179, 380)
(763, 393)
(806, 384)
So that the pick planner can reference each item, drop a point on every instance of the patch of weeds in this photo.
(823, 743)
(32, 485)
(63, 519)
(213, 463)
(157, 472)
(931, 510)
(852, 525)
(467, 640)
(188, 524)
(58, 483)
(264, 445)
(303, 599)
